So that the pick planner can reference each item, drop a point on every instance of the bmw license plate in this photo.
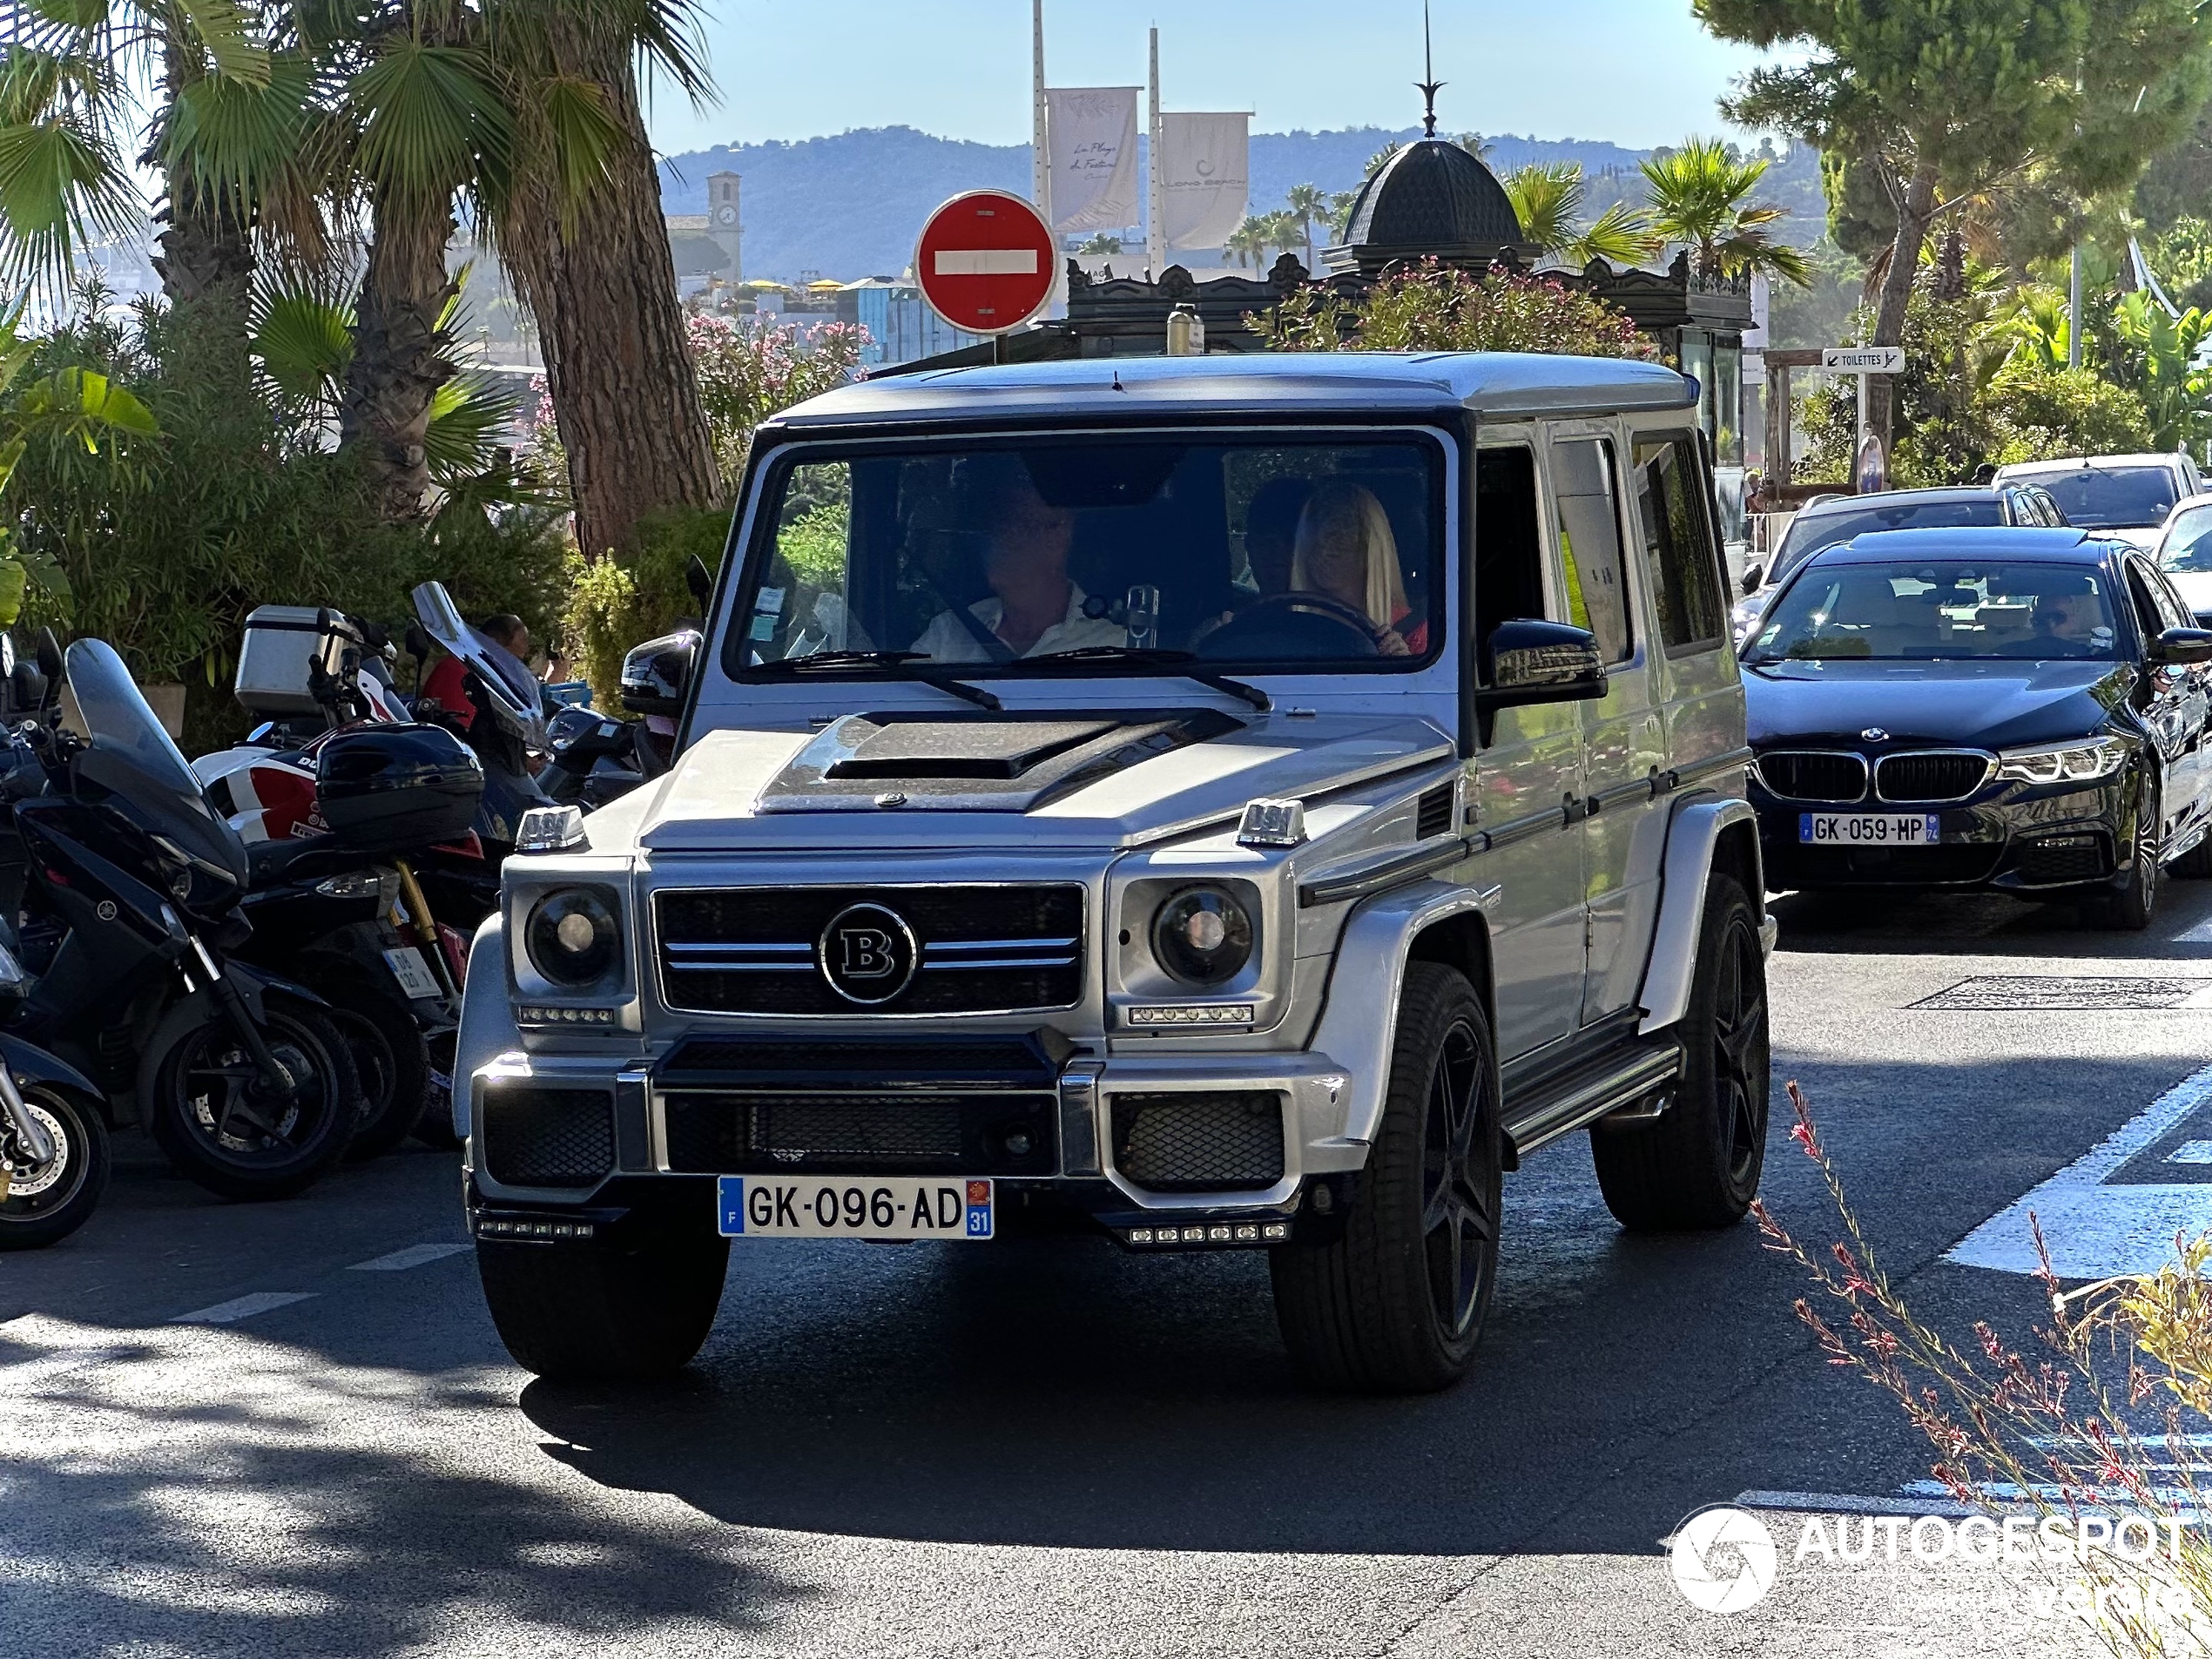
(854, 1207)
(1868, 829)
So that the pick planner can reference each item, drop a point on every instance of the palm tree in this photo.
(1281, 231)
(1244, 242)
(1547, 197)
(1697, 199)
(1306, 204)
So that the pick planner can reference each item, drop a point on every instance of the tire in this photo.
(632, 1309)
(1697, 1164)
(1395, 1304)
(2129, 909)
(48, 1201)
(386, 1047)
(211, 1114)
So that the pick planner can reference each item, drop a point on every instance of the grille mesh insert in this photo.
(1224, 1143)
(1808, 774)
(920, 1134)
(548, 1137)
(1930, 777)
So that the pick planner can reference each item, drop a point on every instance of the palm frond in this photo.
(225, 31)
(426, 113)
(582, 135)
(303, 340)
(467, 415)
(1621, 235)
(60, 190)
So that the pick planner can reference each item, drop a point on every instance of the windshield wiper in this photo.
(1154, 656)
(895, 661)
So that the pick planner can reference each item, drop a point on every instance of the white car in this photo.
(2184, 552)
(2126, 496)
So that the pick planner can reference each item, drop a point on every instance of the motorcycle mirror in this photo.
(49, 654)
(26, 687)
(699, 580)
(418, 644)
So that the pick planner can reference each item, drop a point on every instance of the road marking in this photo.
(243, 1307)
(2200, 934)
(2097, 1227)
(416, 1256)
(2191, 1152)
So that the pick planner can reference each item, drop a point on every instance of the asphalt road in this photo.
(1053, 1447)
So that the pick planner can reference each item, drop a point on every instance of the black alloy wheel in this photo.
(245, 1136)
(1458, 1194)
(1740, 1052)
(2129, 908)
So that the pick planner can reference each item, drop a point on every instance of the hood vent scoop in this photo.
(983, 762)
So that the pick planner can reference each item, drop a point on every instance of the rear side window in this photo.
(1584, 478)
(1680, 552)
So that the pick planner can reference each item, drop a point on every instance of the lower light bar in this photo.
(516, 1227)
(1211, 1232)
(1191, 1014)
(531, 1015)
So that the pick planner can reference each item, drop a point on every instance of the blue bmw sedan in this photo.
(2017, 709)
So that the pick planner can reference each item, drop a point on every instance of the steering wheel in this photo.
(1313, 625)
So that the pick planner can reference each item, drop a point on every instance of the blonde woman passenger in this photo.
(1345, 551)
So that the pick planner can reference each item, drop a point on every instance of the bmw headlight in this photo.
(572, 937)
(1203, 936)
(2064, 763)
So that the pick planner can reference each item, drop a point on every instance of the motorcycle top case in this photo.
(273, 660)
(386, 788)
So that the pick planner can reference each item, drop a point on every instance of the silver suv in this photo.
(1215, 803)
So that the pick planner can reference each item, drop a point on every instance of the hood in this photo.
(2196, 588)
(1981, 704)
(1057, 780)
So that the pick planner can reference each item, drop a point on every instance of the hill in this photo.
(850, 205)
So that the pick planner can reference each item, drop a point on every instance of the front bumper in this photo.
(2033, 839)
(1176, 1150)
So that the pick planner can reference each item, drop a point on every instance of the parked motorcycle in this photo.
(136, 897)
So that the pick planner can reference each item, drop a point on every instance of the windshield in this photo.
(1811, 533)
(1010, 560)
(2104, 498)
(1939, 610)
(2188, 547)
(511, 687)
(117, 717)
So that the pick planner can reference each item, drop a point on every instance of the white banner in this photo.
(1091, 138)
(1206, 176)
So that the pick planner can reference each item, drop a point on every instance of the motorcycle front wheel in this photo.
(226, 1126)
(40, 1202)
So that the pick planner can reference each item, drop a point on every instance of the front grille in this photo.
(2051, 862)
(548, 1137)
(1819, 866)
(1935, 775)
(1199, 1142)
(886, 1064)
(976, 948)
(1814, 774)
(934, 1133)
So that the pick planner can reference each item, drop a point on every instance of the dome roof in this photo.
(1435, 197)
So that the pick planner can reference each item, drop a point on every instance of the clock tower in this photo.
(723, 223)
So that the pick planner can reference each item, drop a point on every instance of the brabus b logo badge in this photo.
(868, 954)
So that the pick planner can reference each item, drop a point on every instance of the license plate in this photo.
(1868, 829)
(412, 972)
(853, 1206)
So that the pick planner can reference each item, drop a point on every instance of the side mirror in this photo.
(1754, 577)
(2177, 647)
(657, 675)
(700, 580)
(1541, 662)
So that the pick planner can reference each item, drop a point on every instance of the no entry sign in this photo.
(986, 262)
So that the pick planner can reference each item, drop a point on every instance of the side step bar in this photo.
(1617, 1078)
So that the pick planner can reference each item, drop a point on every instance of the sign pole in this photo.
(1859, 442)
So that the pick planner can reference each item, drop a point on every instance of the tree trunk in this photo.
(399, 356)
(1914, 213)
(626, 394)
(207, 256)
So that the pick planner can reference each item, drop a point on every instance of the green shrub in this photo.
(1441, 307)
(2043, 415)
(620, 602)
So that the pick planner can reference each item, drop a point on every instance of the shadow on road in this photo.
(1905, 922)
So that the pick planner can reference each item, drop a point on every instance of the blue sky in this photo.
(1640, 72)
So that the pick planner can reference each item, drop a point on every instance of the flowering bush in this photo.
(2060, 1436)
(747, 373)
(1432, 306)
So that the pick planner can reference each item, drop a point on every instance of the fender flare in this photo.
(488, 1028)
(255, 983)
(1358, 1023)
(1693, 831)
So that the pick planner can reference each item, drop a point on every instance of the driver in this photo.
(1034, 607)
(2068, 617)
(1345, 552)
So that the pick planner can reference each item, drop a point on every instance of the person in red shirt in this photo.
(448, 683)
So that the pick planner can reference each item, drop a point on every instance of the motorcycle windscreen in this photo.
(511, 685)
(123, 730)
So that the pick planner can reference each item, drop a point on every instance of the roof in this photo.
(2075, 463)
(2010, 542)
(1433, 196)
(1495, 384)
(1893, 497)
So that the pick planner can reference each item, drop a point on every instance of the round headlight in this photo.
(572, 937)
(1203, 936)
